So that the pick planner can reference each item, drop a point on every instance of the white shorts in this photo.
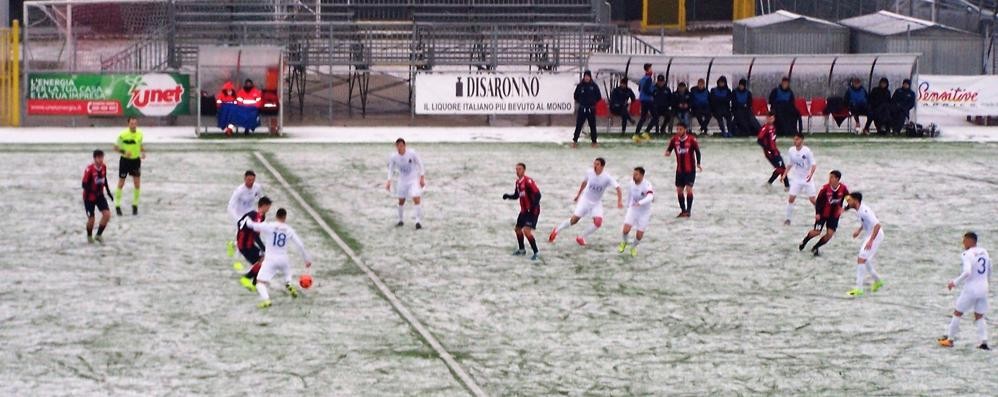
(585, 209)
(976, 301)
(408, 190)
(802, 188)
(271, 267)
(868, 254)
(638, 218)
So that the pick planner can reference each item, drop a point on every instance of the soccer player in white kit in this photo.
(411, 180)
(802, 166)
(873, 235)
(639, 198)
(276, 236)
(591, 203)
(975, 277)
(243, 200)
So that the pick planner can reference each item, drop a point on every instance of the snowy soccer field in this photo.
(720, 304)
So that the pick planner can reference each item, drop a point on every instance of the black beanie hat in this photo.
(661, 77)
(587, 73)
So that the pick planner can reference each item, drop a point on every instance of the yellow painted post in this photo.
(10, 106)
(15, 74)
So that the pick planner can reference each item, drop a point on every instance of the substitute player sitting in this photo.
(94, 185)
(249, 243)
(411, 180)
(802, 167)
(827, 210)
(976, 276)
(639, 198)
(591, 204)
(276, 236)
(873, 236)
(530, 209)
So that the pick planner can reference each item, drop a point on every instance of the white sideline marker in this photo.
(403, 311)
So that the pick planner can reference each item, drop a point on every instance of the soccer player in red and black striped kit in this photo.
(530, 209)
(767, 139)
(94, 186)
(827, 210)
(248, 241)
(687, 164)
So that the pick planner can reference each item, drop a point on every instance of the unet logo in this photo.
(156, 95)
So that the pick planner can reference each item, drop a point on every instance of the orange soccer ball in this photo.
(305, 281)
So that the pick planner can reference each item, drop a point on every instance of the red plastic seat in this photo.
(759, 107)
(818, 107)
(602, 109)
(635, 109)
(801, 105)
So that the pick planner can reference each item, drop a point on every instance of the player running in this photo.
(243, 198)
(530, 209)
(687, 164)
(874, 235)
(767, 139)
(802, 167)
(276, 236)
(94, 186)
(639, 199)
(591, 204)
(249, 243)
(411, 180)
(975, 277)
(132, 151)
(827, 210)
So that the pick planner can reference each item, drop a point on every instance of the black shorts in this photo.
(776, 160)
(128, 167)
(251, 254)
(526, 219)
(100, 204)
(686, 178)
(827, 223)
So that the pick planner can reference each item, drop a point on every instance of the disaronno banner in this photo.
(495, 93)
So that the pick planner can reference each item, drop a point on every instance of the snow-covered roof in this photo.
(886, 23)
(779, 17)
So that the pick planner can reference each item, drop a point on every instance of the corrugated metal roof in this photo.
(886, 23)
(778, 17)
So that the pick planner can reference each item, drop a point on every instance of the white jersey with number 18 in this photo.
(276, 236)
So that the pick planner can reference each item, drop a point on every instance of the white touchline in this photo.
(403, 311)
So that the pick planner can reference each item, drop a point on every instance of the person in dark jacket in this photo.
(859, 104)
(745, 123)
(700, 104)
(620, 103)
(720, 105)
(902, 101)
(681, 103)
(663, 104)
(781, 103)
(880, 106)
(646, 93)
(587, 95)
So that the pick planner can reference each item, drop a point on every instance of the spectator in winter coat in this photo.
(903, 101)
(681, 103)
(781, 103)
(720, 105)
(620, 103)
(662, 103)
(249, 95)
(646, 93)
(880, 106)
(700, 104)
(587, 95)
(859, 104)
(226, 95)
(741, 109)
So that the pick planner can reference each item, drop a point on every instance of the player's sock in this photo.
(419, 212)
(954, 328)
(790, 210)
(262, 290)
(822, 241)
(90, 231)
(682, 201)
(982, 330)
(786, 182)
(519, 240)
(135, 197)
(117, 197)
(860, 269)
(100, 230)
(589, 230)
(870, 269)
(773, 177)
(563, 226)
(624, 238)
(636, 242)
(401, 211)
(689, 202)
(251, 274)
(533, 244)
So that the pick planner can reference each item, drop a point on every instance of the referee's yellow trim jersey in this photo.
(131, 143)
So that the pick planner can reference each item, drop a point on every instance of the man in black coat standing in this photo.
(662, 104)
(587, 95)
(781, 103)
(903, 101)
(880, 106)
(620, 103)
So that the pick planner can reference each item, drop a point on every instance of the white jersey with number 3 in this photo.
(977, 268)
(276, 237)
(596, 185)
(801, 160)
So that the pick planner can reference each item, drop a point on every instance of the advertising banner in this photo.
(495, 93)
(93, 94)
(940, 95)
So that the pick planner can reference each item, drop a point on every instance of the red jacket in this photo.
(249, 98)
(226, 95)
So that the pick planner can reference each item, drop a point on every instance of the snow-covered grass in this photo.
(722, 303)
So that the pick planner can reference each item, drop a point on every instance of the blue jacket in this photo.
(720, 99)
(646, 89)
(699, 98)
(779, 95)
(904, 99)
(741, 99)
(856, 96)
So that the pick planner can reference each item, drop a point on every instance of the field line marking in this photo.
(402, 310)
